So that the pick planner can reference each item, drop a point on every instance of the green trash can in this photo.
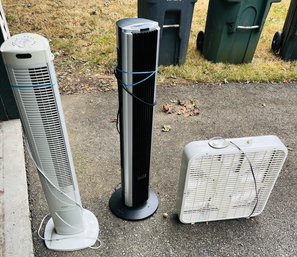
(233, 29)
(285, 43)
(8, 107)
(175, 20)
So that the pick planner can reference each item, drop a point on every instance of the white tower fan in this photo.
(29, 64)
(228, 178)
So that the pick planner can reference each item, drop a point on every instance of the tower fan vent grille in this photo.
(43, 116)
(222, 186)
(33, 76)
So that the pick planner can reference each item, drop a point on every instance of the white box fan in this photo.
(29, 64)
(228, 178)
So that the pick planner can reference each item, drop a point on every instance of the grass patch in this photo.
(84, 31)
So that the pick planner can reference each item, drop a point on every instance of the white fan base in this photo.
(85, 239)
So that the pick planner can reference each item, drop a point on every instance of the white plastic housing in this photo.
(85, 239)
(216, 181)
(29, 63)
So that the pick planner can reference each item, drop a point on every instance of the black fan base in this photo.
(118, 208)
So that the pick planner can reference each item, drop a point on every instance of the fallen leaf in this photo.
(168, 108)
(186, 108)
(166, 128)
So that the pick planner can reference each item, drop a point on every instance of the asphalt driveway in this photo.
(231, 110)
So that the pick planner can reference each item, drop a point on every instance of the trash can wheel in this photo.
(276, 42)
(199, 41)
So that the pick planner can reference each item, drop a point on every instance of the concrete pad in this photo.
(230, 111)
(15, 225)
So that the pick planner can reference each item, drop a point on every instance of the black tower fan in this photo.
(137, 46)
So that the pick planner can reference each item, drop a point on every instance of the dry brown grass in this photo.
(84, 32)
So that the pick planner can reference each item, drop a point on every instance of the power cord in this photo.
(59, 239)
(118, 121)
(55, 187)
(126, 86)
(253, 174)
(60, 191)
(221, 143)
(118, 71)
(4, 108)
(47, 179)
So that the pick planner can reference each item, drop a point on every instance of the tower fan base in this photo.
(118, 208)
(85, 239)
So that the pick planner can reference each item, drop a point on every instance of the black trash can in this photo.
(8, 108)
(175, 19)
(233, 29)
(285, 43)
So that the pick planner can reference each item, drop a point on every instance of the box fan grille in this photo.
(223, 187)
(43, 116)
